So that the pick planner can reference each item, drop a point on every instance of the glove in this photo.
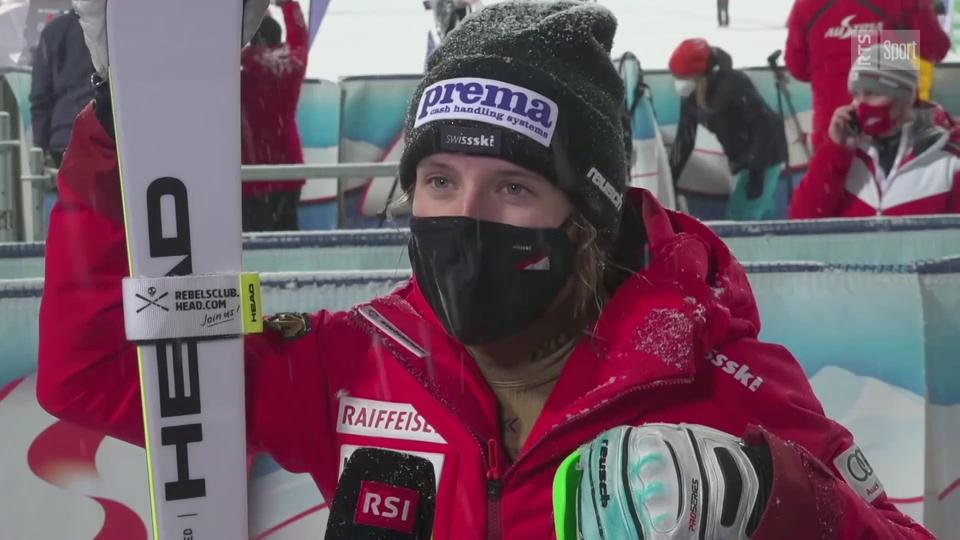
(93, 21)
(660, 482)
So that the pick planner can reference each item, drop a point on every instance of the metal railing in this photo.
(254, 173)
(8, 188)
(257, 173)
(41, 179)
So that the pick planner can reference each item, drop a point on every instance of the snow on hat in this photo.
(880, 71)
(691, 58)
(532, 83)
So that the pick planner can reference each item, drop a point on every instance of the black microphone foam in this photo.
(383, 495)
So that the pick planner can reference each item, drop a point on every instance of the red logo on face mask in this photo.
(387, 507)
(875, 119)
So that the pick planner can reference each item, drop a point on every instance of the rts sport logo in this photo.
(387, 507)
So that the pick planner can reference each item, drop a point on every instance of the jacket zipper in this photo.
(582, 414)
(494, 493)
(488, 451)
(496, 476)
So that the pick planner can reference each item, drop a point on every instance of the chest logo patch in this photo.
(372, 418)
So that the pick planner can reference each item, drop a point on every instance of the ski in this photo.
(174, 78)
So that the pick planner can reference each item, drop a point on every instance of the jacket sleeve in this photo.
(810, 497)
(797, 55)
(822, 189)
(88, 371)
(41, 96)
(684, 139)
(298, 37)
(934, 41)
(252, 58)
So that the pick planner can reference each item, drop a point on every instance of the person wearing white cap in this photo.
(884, 155)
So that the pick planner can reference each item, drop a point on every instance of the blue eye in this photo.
(516, 189)
(438, 182)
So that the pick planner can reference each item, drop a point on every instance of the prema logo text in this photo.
(492, 102)
(387, 507)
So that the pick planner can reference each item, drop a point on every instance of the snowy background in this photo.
(390, 36)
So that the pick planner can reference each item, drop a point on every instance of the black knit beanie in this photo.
(532, 83)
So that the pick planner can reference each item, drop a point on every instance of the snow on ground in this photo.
(651, 29)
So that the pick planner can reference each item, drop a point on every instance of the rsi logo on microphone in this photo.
(388, 507)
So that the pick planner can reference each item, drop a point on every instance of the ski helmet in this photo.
(691, 58)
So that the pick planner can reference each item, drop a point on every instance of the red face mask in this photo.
(875, 119)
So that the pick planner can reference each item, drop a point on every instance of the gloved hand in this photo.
(663, 481)
(93, 20)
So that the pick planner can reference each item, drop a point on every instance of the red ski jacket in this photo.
(676, 343)
(270, 85)
(820, 41)
(850, 183)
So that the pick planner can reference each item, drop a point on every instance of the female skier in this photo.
(548, 305)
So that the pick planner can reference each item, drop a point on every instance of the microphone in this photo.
(383, 495)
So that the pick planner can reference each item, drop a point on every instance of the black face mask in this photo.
(487, 281)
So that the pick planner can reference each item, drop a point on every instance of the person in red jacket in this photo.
(886, 155)
(270, 83)
(821, 36)
(548, 304)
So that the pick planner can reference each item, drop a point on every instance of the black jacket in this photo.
(61, 85)
(750, 133)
